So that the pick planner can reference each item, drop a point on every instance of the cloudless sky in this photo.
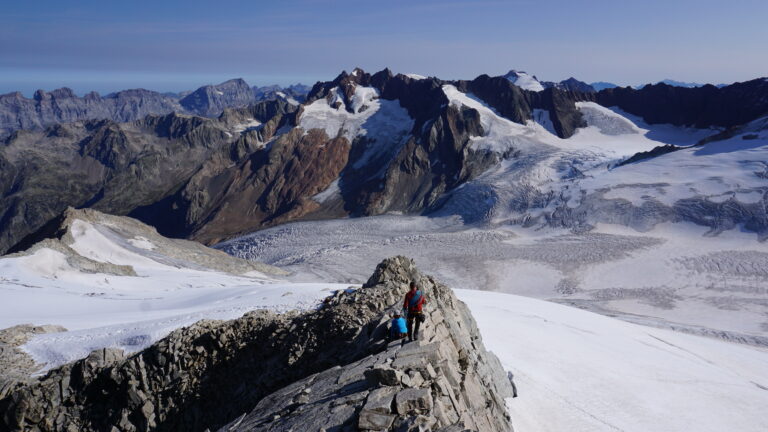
(109, 45)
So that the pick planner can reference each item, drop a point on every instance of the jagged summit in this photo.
(60, 93)
(573, 84)
(294, 94)
(211, 100)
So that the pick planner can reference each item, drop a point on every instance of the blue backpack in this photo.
(415, 299)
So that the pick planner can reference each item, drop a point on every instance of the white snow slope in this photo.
(524, 80)
(128, 312)
(579, 178)
(579, 371)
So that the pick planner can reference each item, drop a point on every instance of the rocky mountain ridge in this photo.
(297, 92)
(730, 106)
(119, 167)
(328, 369)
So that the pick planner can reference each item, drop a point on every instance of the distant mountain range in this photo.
(361, 144)
(529, 82)
(674, 83)
(62, 105)
(602, 85)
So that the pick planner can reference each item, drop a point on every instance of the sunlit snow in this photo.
(525, 81)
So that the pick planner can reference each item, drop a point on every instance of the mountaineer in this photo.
(414, 300)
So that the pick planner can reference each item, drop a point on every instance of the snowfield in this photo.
(578, 371)
(501, 134)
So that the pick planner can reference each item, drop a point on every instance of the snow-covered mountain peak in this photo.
(524, 80)
(365, 113)
(500, 134)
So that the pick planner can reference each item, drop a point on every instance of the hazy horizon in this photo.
(174, 46)
(82, 89)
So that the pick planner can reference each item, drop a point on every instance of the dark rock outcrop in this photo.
(573, 84)
(271, 186)
(328, 369)
(570, 84)
(701, 107)
(517, 105)
(656, 151)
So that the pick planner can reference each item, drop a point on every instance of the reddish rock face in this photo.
(276, 185)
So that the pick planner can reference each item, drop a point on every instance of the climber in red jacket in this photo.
(414, 300)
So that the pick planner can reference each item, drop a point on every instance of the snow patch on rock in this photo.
(252, 124)
(382, 126)
(365, 105)
(501, 134)
(330, 192)
(142, 243)
(541, 117)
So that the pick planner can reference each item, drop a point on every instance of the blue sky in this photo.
(176, 45)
